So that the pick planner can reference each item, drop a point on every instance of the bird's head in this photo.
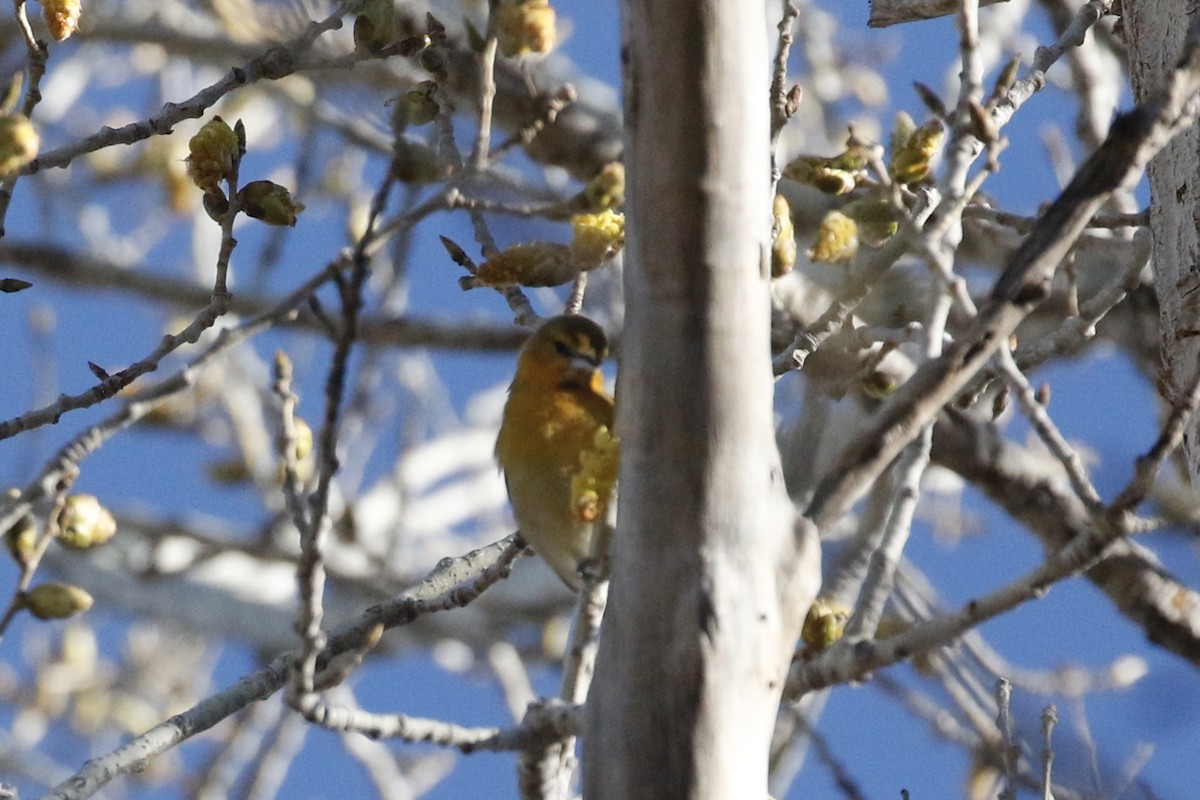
(565, 351)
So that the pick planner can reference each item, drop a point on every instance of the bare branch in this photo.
(1133, 140)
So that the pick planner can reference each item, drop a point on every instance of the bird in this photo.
(556, 445)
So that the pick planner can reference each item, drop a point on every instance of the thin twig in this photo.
(959, 153)
(551, 107)
(1049, 433)
(1074, 331)
(1023, 224)
(310, 567)
(1135, 137)
(1007, 738)
(575, 299)
(286, 450)
(218, 305)
(84, 270)
(278, 62)
(68, 458)
(283, 742)
(1049, 720)
(908, 472)
(1045, 57)
(782, 106)
(487, 94)
(453, 583)
(517, 301)
(864, 273)
(35, 69)
(1169, 439)
(33, 559)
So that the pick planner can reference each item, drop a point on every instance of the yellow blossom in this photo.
(18, 143)
(834, 175)
(877, 218)
(783, 248)
(598, 237)
(525, 26)
(213, 153)
(593, 484)
(913, 148)
(534, 264)
(62, 17)
(837, 239)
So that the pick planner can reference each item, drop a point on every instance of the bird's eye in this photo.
(563, 349)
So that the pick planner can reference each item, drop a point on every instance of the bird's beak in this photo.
(580, 369)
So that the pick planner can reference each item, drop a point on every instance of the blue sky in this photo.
(1099, 399)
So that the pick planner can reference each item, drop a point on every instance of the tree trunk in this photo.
(709, 584)
(1155, 30)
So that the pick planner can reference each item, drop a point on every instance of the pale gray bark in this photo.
(1155, 31)
(709, 587)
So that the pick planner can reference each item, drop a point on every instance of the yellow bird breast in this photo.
(559, 468)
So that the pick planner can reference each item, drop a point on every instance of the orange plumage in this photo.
(556, 446)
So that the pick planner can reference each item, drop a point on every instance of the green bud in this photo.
(57, 601)
(84, 523)
(302, 442)
(913, 148)
(416, 163)
(416, 106)
(824, 624)
(375, 26)
(607, 189)
(878, 220)
(10, 285)
(21, 539)
(18, 142)
(270, 203)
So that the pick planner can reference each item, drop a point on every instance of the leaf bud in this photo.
(822, 175)
(878, 220)
(21, 539)
(415, 163)
(375, 26)
(302, 442)
(57, 601)
(837, 239)
(269, 202)
(84, 523)
(913, 148)
(18, 143)
(607, 189)
(11, 285)
(824, 624)
(416, 106)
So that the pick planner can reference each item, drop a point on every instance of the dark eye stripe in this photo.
(563, 349)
